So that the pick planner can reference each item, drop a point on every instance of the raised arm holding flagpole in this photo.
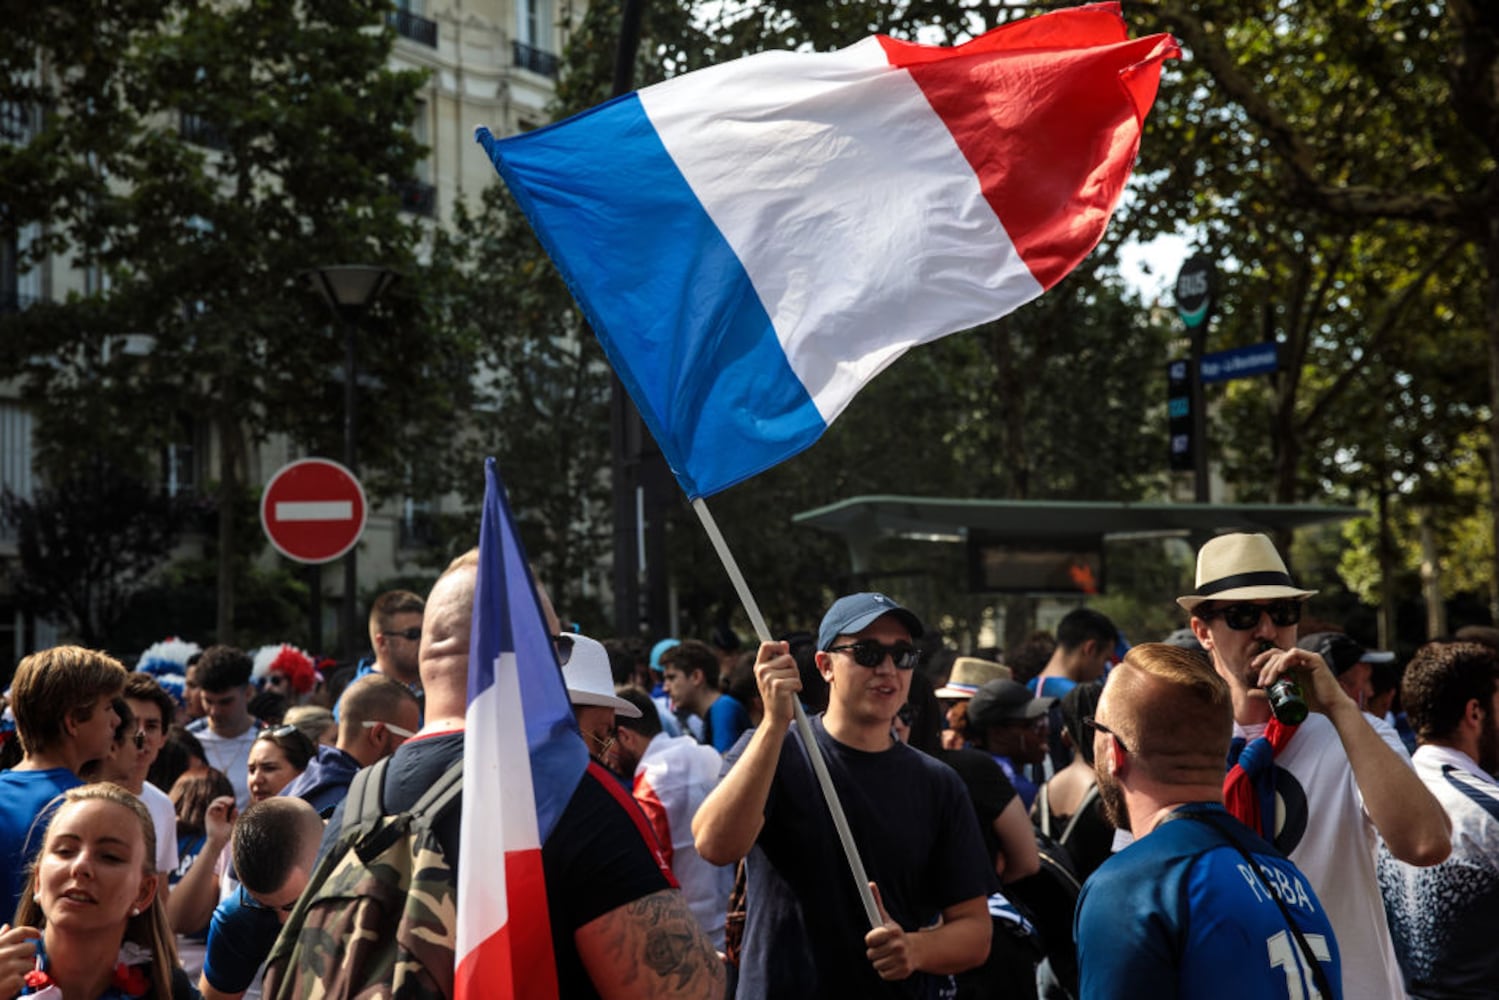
(754, 242)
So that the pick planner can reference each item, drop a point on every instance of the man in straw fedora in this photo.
(969, 673)
(1323, 791)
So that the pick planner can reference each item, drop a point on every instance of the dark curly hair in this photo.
(1439, 682)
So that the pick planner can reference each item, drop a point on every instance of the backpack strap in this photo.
(1079, 812)
(438, 799)
(1043, 809)
(1314, 967)
(362, 805)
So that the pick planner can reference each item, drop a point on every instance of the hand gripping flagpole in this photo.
(809, 740)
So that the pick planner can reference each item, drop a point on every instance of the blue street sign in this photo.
(1240, 362)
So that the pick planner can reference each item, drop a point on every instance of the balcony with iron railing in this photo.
(413, 26)
(536, 60)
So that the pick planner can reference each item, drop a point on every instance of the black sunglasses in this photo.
(868, 653)
(409, 634)
(1097, 726)
(1244, 616)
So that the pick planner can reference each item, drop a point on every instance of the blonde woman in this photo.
(90, 925)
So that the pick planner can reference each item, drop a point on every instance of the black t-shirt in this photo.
(599, 857)
(918, 838)
(988, 788)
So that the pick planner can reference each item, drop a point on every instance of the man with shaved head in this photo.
(620, 925)
(1199, 904)
(275, 849)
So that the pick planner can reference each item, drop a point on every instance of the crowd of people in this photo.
(1071, 818)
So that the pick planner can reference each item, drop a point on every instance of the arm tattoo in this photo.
(657, 939)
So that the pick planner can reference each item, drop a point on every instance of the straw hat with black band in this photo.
(1241, 567)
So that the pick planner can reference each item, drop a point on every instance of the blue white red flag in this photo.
(754, 242)
(522, 761)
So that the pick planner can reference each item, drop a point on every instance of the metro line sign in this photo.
(313, 510)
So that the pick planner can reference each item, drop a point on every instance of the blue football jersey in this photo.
(1179, 913)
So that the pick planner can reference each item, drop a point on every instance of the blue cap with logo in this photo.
(857, 612)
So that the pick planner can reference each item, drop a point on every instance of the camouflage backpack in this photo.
(379, 916)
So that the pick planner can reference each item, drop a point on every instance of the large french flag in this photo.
(753, 242)
(522, 761)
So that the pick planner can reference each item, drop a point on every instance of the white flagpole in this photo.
(814, 753)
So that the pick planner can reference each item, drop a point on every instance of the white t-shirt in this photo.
(673, 777)
(1321, 824)
(231, 756)
(159, 805)
(1443, 916)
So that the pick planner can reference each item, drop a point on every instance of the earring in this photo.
(36, 897)
(135, 911)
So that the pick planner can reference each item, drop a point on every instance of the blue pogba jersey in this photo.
(1180, 914)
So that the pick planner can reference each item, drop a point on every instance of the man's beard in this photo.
(624, 761)
(1112, 797)
(1488, 747)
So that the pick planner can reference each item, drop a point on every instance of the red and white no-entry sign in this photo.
(313, 510)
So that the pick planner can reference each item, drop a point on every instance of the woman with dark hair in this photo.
(1067, 807)
(180, 754)
(91, 923)
(200, 830)
(276, 757)
(191, 797)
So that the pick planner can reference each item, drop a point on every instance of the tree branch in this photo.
(1360, 201)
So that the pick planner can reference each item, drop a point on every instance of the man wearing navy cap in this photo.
(806, 934)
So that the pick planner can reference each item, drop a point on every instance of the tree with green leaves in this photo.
(1345, 153)
(87, 544)
(242, 145)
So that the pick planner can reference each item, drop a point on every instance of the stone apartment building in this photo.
(493, 62)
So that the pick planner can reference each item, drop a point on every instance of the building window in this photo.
(422, 133)
(408, 21)
(20, 285)
(179, 459)
(418, 524)
(15, 456)
(534, 49)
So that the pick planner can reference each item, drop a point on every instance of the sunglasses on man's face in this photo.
(409, 634)
(1244, 616)
(871, 654)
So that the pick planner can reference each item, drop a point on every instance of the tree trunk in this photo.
(231, 459)
(1020, 621)
(1491, 303)
(1384, 548)
(1431, 580)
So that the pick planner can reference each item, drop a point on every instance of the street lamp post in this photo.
(349, 290)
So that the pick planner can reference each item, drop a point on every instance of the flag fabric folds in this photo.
(522, 761)
(755, 241)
